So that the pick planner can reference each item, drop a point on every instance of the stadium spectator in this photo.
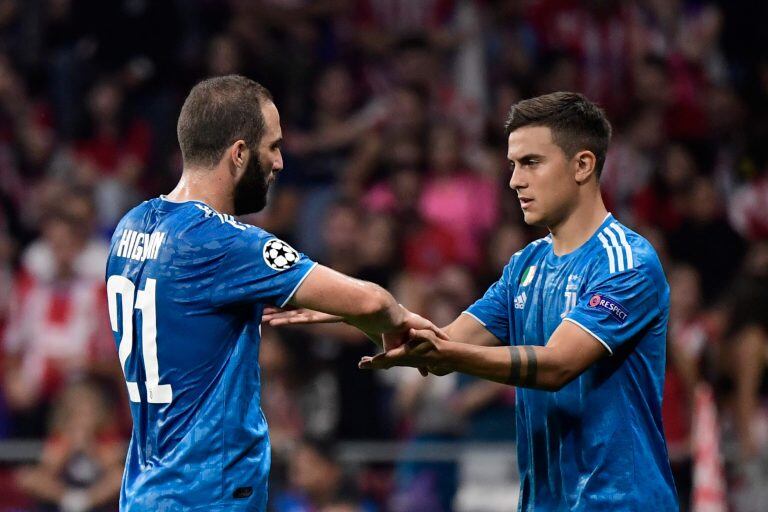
(113, 151)
(78, 206)
(473, 197)
(316, 482)
(82, 462)
(747, 335)
(56, 329)
(689, 335)
(705, 240)
(278, 403)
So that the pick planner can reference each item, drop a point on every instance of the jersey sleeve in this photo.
(492, 309)
(259, 267)
(616, 307)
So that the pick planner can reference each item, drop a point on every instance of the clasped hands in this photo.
(419, 343)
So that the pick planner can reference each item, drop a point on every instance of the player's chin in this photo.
(533, 218)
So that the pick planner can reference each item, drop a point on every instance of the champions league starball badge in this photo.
(279, 255)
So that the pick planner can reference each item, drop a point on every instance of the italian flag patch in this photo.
(528, 276)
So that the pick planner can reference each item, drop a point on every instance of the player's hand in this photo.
(402, 335)
(275, 317)
(423, 350)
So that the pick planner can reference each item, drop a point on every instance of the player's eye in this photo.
(512, 166)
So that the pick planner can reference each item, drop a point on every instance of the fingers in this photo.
(280, 317)
(418, 336)
(440, 333)
(385, 360)
(277, 316)
(415, 321)
(270, 310)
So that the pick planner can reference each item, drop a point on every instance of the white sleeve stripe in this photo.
(611, 264)
(615, 245)
(290, 295)
(627, 247)
(598, 338)
(473, 316)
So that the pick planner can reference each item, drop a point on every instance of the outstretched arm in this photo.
(290, 315)
(362, 304)
(464, 328)
(467, 329)
(569, 351)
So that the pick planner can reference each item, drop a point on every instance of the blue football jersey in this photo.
(186, 288)
(598, 443)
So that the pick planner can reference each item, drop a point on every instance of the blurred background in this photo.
(395, 172)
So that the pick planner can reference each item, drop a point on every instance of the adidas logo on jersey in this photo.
(520, 301)
(139, 246)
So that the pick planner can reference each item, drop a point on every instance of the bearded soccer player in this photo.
(187, 285)
(577, 321)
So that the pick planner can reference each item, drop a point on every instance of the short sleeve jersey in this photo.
(597, 443)
(186, 290)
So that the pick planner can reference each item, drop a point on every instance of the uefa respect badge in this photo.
(617, 311)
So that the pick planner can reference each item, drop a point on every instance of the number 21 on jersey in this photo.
(144, 301)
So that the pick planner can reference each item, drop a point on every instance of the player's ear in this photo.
(584, 163)
(238, 154)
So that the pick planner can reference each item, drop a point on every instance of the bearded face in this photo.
(264, 163)
(251, 190)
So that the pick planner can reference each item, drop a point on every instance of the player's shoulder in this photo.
(527, 256)
(212, 223)
(620, 249)
(241, 241)
(132, 220)
(533, 249)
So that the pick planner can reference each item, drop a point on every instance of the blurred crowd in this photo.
(395, 172)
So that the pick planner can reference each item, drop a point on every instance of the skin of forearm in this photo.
(383, 314)
(526, 366)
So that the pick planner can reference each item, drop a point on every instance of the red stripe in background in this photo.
(60, 307)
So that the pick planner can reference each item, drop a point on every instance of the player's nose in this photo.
(516, 182)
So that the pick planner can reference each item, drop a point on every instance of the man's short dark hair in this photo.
(217, 112)
(576, 123)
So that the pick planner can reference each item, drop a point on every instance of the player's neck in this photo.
(578, 227)
(206, 187)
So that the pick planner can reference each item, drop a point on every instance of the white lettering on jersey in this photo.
(139, 246)
(223, 218)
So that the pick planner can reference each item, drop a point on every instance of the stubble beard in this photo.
(251, 191)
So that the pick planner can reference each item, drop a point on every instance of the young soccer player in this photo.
(578, 321)
(187, 284)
